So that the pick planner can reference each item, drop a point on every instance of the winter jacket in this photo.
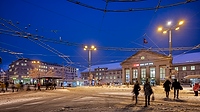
(136, 89)
(196, 87)
(147, 89)
(176, 85)
(166, 85)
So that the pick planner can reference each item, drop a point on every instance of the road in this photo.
(94, 99)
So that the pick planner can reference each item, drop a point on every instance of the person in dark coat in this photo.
(176, 86)
(167, 85)
(147, 92)
(136, 90)
(7, 85)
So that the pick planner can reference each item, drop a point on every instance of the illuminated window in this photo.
(17, 63)
(110, 77)
(176, 68)
(127, 75)
(135, 73)
(162, 73)
(143, 73)
(192, 67)
(152, 72)
(184, 68)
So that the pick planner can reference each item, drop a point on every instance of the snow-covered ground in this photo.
(187, 102)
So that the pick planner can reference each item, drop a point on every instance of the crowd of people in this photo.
(21, 87)
(167, 85)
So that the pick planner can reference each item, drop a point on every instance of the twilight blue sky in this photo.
(61, 19)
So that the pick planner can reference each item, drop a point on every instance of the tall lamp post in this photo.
(169, 30)
(90, 49)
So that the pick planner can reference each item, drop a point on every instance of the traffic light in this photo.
(0, 60)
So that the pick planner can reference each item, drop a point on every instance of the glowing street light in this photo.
(169, 30)
(90, 49)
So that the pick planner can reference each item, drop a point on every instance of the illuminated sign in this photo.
(136, 65)
(142, 64)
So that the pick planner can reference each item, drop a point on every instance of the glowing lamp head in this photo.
(86, 47)
(181, 23)
(165, 32)
(169, 23)
(177, 28)
(160, 28)
(92, 47)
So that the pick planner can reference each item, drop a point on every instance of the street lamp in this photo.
(90, 49)
(169, 30)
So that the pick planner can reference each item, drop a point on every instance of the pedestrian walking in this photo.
(167, 86)
(2, 86)
(147, 92)
(7, 85)
(135, 91)
(196, 89)
(28, 87)
(176, 86)
(17, 87)
(54, 85)
(39, 85)
(21, 86)
(35, 86)
(13, 86)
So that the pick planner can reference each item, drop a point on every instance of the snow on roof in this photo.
(110, 66)
(186, 58)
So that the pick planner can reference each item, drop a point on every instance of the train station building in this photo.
(146, 64)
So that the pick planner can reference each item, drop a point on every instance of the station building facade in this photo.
(145, 65)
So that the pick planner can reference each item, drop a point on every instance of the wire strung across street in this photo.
(131, 9)
(23, 34)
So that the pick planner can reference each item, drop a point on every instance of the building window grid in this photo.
(127, 75)
(192, 67)
(176, 68)
(162, 73)
(152, 72)
(143, 73)
(184, 68)
(135, 73)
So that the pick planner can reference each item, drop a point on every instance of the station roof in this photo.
(186, 58)
(192, 76)
(110, 66)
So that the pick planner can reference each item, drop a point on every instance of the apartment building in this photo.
(30, 71)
